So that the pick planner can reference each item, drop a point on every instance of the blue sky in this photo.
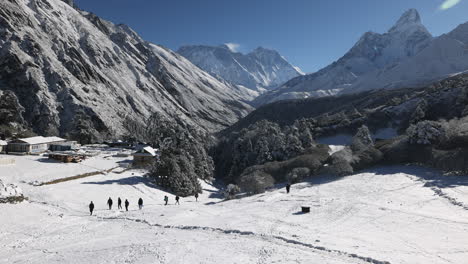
(309, 33)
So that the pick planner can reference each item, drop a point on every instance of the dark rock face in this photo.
(10, 109)
(78, 75)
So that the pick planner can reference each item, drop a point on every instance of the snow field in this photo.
(385, 215)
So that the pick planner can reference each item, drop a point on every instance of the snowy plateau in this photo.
(383, 215)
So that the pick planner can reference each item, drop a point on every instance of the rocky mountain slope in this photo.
(445, 56)
(426, 125)
(258, 70)
(380, 109)
(372, 53)
(78, 75)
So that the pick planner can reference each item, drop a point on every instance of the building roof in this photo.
(3, 143)
(147, 150)
(65, 143)
(150, 150)
(40, 140)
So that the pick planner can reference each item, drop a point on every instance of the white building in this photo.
(145, 156)
(3, 146)
(32, 145)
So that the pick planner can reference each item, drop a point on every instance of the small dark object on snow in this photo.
(109, 202)
(177, 200)
(119, 203)
(305, 209)
(91, 208)
(288, 187)
(166, 199)
(126, 204)
(140, 203)
(196, 197)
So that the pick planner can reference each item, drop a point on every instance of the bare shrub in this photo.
(298, 174)
(256, 182)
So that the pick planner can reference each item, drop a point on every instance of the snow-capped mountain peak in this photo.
(372, 52)
(258, 70)
(409, 23)
(77, 74)
(410, 17)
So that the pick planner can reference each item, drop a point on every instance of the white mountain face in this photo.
(446, 56)
(258, 70)
(74, 72)
(374, 51)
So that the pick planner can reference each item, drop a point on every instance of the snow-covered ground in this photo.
(385, 215)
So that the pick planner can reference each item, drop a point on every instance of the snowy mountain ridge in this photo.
(258, 70)
(78, 75)
(372, 52)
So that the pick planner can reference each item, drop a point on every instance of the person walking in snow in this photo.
(140, 203)
(109, 203)
(196, 197)
(91, 208)
(119, 203)
(166, 199)
(126, 204)
(177, 200)
(288, 187)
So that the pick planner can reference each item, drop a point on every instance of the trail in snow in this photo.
(253, 234)
(385, 215)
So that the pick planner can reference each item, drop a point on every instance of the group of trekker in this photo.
(127, 203)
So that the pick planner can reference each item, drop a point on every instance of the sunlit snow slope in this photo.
(386, 215)
(74, 72)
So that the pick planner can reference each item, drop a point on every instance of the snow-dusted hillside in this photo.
(258, 70)
(373, 52)
(75, 73)
(402, 215)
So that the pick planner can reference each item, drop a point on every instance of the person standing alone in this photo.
(177, 200)
(126, 204)
(166, 199)
(140, 203)
(196, 197)
(288, 187)
(91, 208)
(109, 202)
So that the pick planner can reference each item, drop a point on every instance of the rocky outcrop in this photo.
(10, 193)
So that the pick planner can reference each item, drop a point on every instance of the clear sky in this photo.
(309, 33)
